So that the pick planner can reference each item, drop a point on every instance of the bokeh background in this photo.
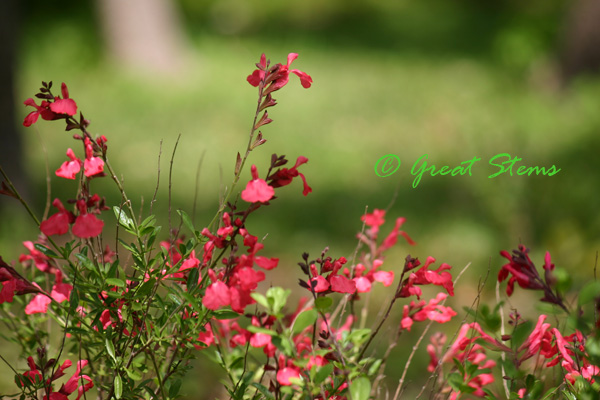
(454, 80)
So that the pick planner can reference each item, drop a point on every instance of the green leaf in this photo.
(74, 300)
(323, 303)
(115, 282)
(45, 250)
(110, 348)
(258, 329)
(260, 299)
(175, 299)
(589, 293)
(225, 314)
(118, 386)
(360, 389)
(174, 389)
(322, 374)
(85, 262)
(192, 280)
(304, 320)
(277, 298)
(145, 289)
(136, 376)
(284, 344)
(261, 388)
(187, 221)
(122, 218)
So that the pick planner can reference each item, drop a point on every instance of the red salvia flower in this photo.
(257, 190)
(57, 224)
(64, 105)
(69, 169)
(43, 110)
(284, 176)
(86, 225)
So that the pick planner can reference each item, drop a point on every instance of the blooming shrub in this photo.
(132, 317)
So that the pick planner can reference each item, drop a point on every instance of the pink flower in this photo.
(43, 110)
(284, 375)
(258, 74)
(86, 225)
(61, 291)
(217, 295)
(69, 169)
(257, 190)
(64, 105)
(39, 304)
(57, 224)
(73, 382)
(266, 263)
(278, 75)
(424, 276)
(92, 165)
(374, 220)
(284, 176)
(341, 284)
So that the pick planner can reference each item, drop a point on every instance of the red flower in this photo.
(217, 295)
(73, 382)
(86, 225)
(39, 304)
(92, 165)
(57, 224)
(43, 110)
(69, 169)
(64, 105)
(257, 190)
(284, 176)
(278, 75)
(258, 74)
(424, 276)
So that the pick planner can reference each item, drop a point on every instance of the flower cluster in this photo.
(141, 311)
(522, 271)
(79, 382)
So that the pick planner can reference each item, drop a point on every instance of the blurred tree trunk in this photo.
(11, 152)
(145, 35)
(581, 47)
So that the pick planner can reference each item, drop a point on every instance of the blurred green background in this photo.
(454, 80)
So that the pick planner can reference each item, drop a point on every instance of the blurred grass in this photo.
(391, 82)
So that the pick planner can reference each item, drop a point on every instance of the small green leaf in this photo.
(225, 314)
(45, 250)
(145, 289)
(115, 282)
(304, 320)
(110, 348)
(187, 221)
(136, 376)
(260, 299)
(175, 299)
(174, 389)
(122, 218)
(192, 280)
(277, 298)
(284, 344)
(322, 374)
(261, 388)
(360, 389)
(74, 300)
(258, 329)
(118, 386)
(323, 303)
